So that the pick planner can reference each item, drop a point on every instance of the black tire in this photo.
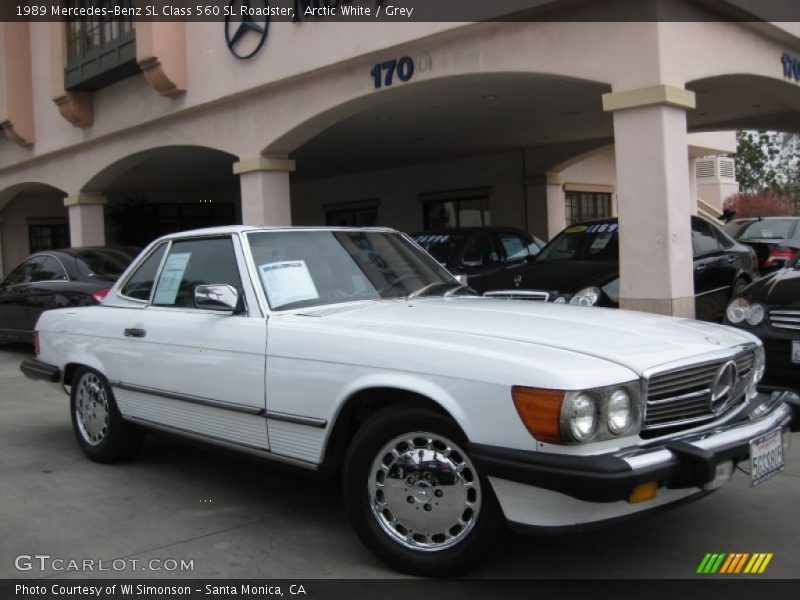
(101, 433)
(484, 531)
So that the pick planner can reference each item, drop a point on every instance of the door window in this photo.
(140, 284)
(515, 246)
(196, 262)
(703, 237)
(482, 249)
(51, 270)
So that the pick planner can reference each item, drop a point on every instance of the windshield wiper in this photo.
(426, 288)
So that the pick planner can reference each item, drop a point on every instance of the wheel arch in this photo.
(364, 398)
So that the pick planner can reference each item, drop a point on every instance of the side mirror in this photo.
(217, 296)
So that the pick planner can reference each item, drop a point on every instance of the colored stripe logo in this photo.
(734, 563)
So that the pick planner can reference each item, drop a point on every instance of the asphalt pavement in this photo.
(232, 518)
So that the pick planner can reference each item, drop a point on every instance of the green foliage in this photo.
(768, 160)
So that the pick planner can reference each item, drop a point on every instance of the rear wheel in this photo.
(101, 433)
(414, 496)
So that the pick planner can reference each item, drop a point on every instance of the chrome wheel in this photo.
(91, 409)
(424, 491)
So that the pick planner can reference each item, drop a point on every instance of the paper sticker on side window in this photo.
(287, 282)
(601, 241)
(170, 281)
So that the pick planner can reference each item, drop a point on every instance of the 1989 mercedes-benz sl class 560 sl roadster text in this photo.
(446, 416)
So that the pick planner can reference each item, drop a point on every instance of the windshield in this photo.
(102, 264)
(771, 229)
(301, 269)
(442, 246)
(584, 242)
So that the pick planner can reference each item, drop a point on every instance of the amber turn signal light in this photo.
(644, 492)
(540, 411)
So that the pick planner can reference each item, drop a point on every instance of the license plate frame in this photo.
(766, 457)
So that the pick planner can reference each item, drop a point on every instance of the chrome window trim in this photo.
(714, 291)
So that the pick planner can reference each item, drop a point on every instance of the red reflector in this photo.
(36, 342)
(100, 295)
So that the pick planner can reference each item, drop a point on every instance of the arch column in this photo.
(653, 192)
(265, 190)
(87, 224)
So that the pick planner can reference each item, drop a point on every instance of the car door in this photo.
(50, 288)
(199, 371)
(711, 288)
(16, 315)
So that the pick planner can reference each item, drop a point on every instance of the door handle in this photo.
(700, 266)
(731, 259)
(135, 332)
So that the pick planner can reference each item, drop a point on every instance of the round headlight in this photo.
(755, 315)
(560, 300)
(586, 297)
(619, 412)
(737, 310)
(582, 417)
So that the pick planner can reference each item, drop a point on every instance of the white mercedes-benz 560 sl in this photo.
(446, 416)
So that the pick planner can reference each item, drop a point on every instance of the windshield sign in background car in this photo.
(56, 279)
(475, 253)
(775, 239)
(770, 309)
(446, 416)
(581, 266)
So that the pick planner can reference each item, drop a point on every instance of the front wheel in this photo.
(415, 498)
(101, 433)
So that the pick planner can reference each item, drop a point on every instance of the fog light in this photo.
(644, 492)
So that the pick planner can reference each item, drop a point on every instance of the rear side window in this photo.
(51, 270)
(140, 284)
(703, 237)
(196, 262)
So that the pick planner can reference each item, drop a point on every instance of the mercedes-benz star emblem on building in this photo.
(722, 388)
(241, 44)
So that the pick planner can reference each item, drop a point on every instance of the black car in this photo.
(581, 266)
(770, 309)
(775, 239)
(56, 279)
(478, 252)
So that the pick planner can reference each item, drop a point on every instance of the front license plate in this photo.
(766, 457)
(796, 352)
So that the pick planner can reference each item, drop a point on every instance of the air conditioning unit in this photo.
(720, 168)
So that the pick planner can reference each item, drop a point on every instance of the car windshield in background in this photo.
(769, 229)
(301, 269)
(102, 264)
(599, 241)
(441, 246)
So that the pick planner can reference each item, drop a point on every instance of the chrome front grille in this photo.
(785, 319)
(519, 295)
(681, 398)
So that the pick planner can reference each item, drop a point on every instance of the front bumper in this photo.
(582, 489)
(36, 369)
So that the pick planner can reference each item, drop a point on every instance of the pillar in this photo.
(265, 190)
(546, 205)
(87, 225)
(653, 194)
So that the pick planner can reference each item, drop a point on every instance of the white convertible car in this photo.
(446, 416)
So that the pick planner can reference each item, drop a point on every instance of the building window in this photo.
(456, 209)
(99, 51)
(352, 217)
(48, 237)
(586, 206)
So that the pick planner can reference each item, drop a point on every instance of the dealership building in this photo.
(119, 131)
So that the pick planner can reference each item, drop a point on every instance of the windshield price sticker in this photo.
(287, 282)
(796, 352)
(766, 457)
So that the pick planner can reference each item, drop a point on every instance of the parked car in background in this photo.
(581, 266)
(478, 252)
(444, 416)
(775, 239)
(57, 279)
(770, 309)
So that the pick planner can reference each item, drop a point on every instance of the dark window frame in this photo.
(582, 206)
